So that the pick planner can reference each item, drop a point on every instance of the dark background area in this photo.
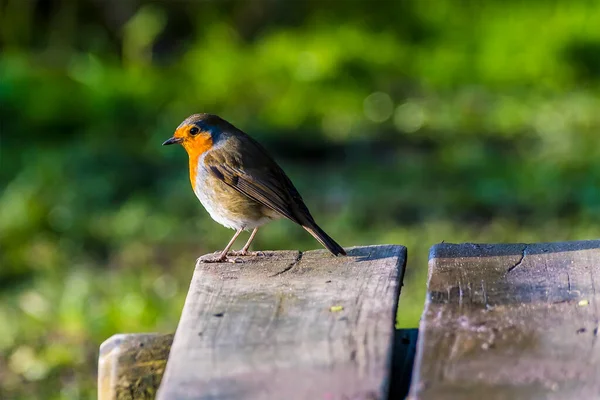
(405, 122)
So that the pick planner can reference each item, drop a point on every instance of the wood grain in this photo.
(130, 366)
(288, 325)
(510, 322)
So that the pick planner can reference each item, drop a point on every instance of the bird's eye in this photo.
(194, 130)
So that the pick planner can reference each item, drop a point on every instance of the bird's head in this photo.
(197, 133)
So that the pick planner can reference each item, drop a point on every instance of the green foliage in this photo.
(399, 122)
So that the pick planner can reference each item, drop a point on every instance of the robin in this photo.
(238, 182)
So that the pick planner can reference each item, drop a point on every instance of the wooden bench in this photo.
(131, 366)
(288, 325)
(510, 321)
(515, 321)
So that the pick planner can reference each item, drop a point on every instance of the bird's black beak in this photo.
(172, 140)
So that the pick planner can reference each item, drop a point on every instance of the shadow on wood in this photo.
(510, 322)
(289, 325)
(405, 344)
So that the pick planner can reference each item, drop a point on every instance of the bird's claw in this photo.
(207, 260)
(235, 259)
(247, 253)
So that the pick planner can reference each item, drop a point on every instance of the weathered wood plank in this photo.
(510, 322)
(130, 366)
(289, 325)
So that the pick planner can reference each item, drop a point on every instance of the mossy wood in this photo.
(130, 366)
(288, 325)
(510, 322)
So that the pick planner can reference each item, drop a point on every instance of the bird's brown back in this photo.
(244, 164)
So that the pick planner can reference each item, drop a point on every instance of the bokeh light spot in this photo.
(409, 117)
(378, 107)
(165, 286)
(34, 304)
(24, 361)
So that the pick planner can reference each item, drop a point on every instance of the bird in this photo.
(239, 183)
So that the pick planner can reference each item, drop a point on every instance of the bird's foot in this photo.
(218, 259)
(247, 253)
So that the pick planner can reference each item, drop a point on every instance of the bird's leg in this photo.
(244, 251)
(250, 239)
(223, 256)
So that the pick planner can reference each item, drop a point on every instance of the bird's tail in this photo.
(325, 239)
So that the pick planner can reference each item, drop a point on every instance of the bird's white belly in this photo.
(213, 203)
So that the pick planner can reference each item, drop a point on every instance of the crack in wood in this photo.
(518, 263)
(545, 320)
(595, 306)
(292, 264)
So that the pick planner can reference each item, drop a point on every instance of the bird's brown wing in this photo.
(252, 172)
(244, 165)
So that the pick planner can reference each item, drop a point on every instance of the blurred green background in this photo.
(407, 122)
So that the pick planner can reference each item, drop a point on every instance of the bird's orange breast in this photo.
(195, 148)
